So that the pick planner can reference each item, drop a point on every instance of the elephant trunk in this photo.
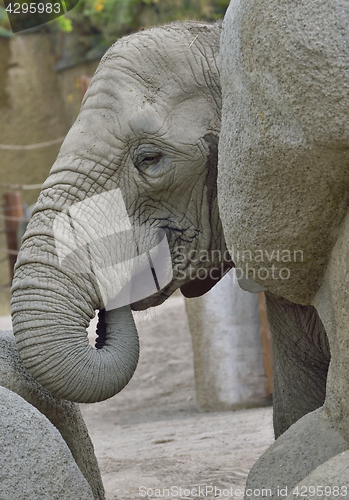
(51, 310)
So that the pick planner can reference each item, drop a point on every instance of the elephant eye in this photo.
(146, 159)
(150, 159)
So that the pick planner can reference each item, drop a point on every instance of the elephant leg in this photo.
(332, 302)
(300, 360)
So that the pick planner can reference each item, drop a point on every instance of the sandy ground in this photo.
(151, 437)
(152, 442)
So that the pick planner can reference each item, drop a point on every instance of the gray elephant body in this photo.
(148, 127)
(148, 131)
(283, 180)
(301, 357)
(283, 183)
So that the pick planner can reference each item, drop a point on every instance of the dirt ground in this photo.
(152, 442)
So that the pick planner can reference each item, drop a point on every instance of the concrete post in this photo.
(13, 211)
(228, 360)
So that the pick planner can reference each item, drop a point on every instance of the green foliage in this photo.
(98, 23)
(5, 28)
(115, 18)
(64, 24)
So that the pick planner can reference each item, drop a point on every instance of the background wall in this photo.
(37, 104)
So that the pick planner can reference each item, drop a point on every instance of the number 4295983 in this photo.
(320, 491)
(33, 8)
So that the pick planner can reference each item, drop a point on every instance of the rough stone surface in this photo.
(35, 461)
(304, 446)
(329, 480)
(283, 183)
(283, 178)
(228, 361)
(332, 304)
(64, 415)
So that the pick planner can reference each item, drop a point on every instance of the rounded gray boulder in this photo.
(310, 442)
(329, 480)
(35, 462)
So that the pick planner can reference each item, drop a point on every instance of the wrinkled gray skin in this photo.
(284, 156)
(149, 125)
(283, 179)
(301, 357)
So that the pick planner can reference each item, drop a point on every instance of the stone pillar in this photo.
(228, 360)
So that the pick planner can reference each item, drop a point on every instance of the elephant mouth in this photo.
(154, 300)
(190, 289)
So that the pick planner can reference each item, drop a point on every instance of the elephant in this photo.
(138, 179)
(139, 168)
(283, 185)
(147, 137)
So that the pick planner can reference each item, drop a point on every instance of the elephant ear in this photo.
(198, 287)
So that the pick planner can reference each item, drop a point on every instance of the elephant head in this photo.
(137, 169)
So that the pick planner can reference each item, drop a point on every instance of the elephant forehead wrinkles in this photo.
(126, 89)
(126, 108)
(178, 123)
(161, 61)
(180, 120)
(142, 56)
